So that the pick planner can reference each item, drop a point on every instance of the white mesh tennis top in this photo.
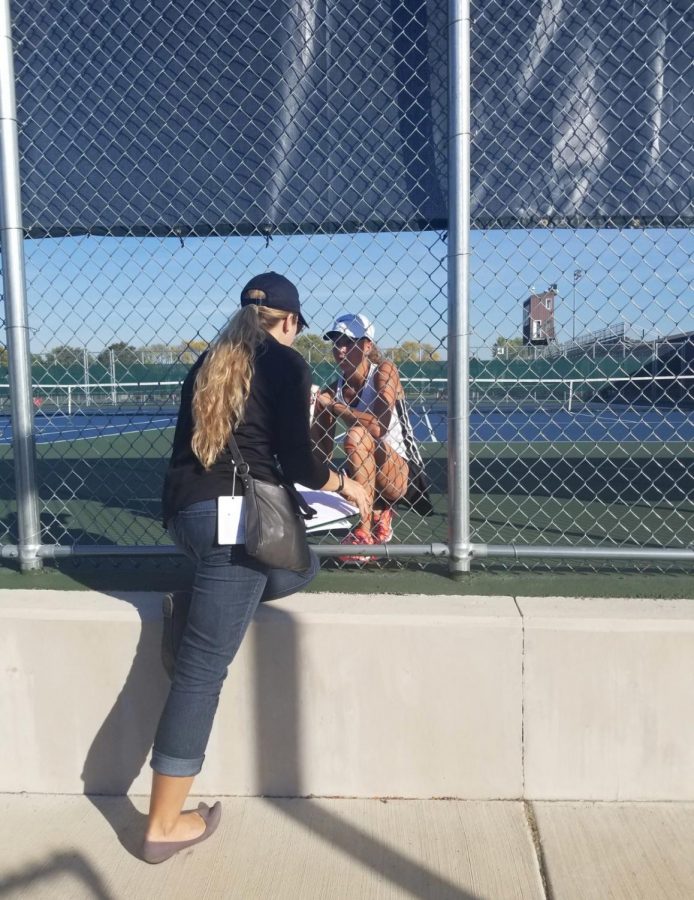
(394, 436)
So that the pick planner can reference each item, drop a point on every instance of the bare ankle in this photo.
(157, 831)
(184, 824)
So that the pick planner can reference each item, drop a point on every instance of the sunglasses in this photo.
(345, 342)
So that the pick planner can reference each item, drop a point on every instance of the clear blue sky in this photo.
(94, 291)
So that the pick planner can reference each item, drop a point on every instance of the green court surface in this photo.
(116, 575)
(106, 491)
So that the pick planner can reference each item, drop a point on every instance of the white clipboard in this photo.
(332, 514)
(332, 510)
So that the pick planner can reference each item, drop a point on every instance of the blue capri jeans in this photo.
(227, 589)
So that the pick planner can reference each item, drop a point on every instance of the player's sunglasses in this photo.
(345, 342)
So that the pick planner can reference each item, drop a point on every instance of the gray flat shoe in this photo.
(159, 851)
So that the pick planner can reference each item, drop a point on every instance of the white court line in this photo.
(614, 418)
(607, 418)
(89, 437)
(427, 421)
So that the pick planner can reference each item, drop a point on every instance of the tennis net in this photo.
(575, 394)
(123, 398)
(501, 394)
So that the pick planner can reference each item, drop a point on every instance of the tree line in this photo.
(124, 354)
(311, 346)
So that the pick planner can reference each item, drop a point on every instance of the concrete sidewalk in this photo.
(76, 847)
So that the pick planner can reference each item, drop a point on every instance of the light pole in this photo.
(578, 273)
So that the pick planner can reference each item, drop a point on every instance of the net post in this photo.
(85, 366)
(112, 374)
(459, 287)
(16, 319)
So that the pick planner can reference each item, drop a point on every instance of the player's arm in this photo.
(323, 425)
(377, 419)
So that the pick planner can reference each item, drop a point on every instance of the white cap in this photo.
(351, 326)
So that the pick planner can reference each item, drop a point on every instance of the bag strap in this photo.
(305, 511)
(240, 464)
(244, 472)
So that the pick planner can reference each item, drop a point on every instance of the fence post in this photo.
(16, 320)
(459, 286)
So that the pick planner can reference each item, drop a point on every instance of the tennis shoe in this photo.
(382, 531)
(357, 537)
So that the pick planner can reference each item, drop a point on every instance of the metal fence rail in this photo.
(525, 260)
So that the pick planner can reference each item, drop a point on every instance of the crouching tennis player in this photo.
(368, 399)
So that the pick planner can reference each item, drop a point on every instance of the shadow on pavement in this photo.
(277, 680)
(112, 763)
(25, 882)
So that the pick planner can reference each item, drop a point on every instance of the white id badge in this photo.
(230, 528)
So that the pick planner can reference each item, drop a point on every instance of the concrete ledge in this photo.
(362, 696)
(608, 699)
(329, 695)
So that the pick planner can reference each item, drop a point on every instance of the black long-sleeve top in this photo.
(275, 429)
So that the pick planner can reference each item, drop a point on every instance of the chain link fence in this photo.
(582, 315)
(169, 152)
(583, 435)
(104, 413)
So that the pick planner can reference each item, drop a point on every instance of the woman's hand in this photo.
(324, 400)
(355, 493)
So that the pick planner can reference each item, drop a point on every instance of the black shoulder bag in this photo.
(274, 517)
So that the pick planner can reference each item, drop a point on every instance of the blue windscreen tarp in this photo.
(302, 116)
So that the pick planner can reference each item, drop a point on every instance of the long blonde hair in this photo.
(224, 381)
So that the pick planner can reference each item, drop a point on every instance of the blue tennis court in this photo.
(51, 428)
(593, 424)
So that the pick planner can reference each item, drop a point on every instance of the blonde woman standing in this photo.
(253, 384)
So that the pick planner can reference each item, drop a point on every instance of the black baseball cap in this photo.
(279, 292)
